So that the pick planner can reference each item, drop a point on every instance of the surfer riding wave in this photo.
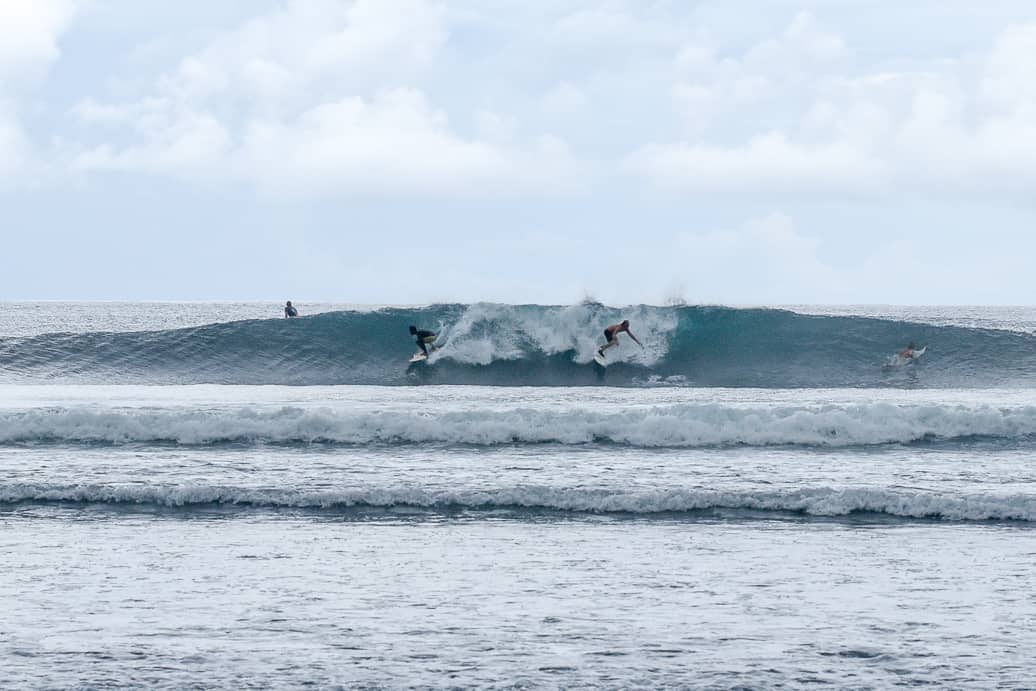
(425, 338)
(611, 335)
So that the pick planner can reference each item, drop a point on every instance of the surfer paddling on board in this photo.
(611, 334)
(290, 311)
(424, 339)
(908, 352)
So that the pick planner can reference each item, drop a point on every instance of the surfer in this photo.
(290, 311)
(908, 352)
(424, 339)
(611, 334)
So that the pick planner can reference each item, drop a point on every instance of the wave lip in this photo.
(818, 502)
(685, 425)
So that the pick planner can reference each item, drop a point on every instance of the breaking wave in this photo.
(821, 501)
(534, 345)
(684, 425)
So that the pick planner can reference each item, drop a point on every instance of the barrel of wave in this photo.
(489, 332)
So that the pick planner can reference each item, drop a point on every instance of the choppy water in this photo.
(643, 528)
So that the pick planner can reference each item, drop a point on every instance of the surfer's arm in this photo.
(634, 338)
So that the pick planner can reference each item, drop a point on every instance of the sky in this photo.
(415, 151)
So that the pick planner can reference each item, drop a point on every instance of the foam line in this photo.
(677, 425)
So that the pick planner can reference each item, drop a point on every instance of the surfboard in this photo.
(421, 357)
(599, 359)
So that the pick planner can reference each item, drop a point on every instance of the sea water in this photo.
(207, 495)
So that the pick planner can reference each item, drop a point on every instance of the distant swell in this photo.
(489, 344)
(675, 425)
(822, 501)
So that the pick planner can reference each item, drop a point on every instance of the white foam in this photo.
(674, 425)
(488, 332)
(821, 501)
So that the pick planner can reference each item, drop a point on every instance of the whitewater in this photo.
(210, 495)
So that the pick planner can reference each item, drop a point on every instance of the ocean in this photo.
(208, 495)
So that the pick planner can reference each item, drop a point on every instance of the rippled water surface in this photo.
(648, 536)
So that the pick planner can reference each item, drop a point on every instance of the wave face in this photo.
(492, 344)
(820, 501)
(688, 425)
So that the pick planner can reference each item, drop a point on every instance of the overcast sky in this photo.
(405, 151)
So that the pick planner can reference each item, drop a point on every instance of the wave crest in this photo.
(684, 425)
(822, 501)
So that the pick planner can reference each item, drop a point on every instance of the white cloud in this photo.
(768, 161)
(189, 143)
(965, 124)
(296, 102)
(279, 57)
(394, 141)
(29, 33)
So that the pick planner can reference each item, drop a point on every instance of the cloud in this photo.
(296, 103)
(767, 161)
(394, 141)
(278, 58)
(186, 143)
(29, 33)
(783, 116)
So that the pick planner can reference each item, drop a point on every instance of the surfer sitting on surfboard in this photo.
(424, 339)
(612, 336)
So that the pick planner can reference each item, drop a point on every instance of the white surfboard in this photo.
(421, 357)
(599, 359)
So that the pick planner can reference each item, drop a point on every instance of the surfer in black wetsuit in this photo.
(424, 339)
(611, 335)
(290, 311)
